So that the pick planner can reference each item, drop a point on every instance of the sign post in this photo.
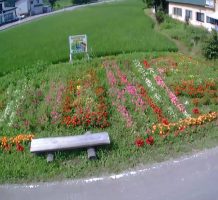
(78, 44)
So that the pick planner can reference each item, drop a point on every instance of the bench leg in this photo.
(91, 153)
(50, 157)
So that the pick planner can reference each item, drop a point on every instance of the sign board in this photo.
(78, 44)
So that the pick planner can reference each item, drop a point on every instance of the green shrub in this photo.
(160, 16)
(210, 49)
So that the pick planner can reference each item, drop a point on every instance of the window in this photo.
(9, 17)
(177, 11)
(212, 21)
(200, 17)
(188, 14)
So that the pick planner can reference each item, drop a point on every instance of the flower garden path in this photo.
(193, 177)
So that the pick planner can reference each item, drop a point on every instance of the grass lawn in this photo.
(111, 28)
(192, 37)
(112, 94)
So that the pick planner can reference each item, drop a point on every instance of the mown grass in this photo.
(112, 28)
(122, 154)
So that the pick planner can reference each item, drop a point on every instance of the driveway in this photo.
(192, 177)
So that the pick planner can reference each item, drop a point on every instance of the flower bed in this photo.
(7, 144)
(201, 93)
(134, 100)
(85, 103)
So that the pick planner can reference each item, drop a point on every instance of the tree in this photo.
(52, 2)
(159, 5)
(82, 1)
(210, 49)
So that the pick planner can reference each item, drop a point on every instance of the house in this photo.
(7, 14)
(29, 7)
(196, 12)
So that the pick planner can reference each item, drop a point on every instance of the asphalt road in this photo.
(193, 177)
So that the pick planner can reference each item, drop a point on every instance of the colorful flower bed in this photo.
(7, 144)
(134, 100)
(201, 93)
(85, 103)
(136, 89)
(164, 129)
(154, 94)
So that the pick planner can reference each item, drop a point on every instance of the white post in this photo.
(71, 58)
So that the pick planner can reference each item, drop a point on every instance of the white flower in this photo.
(148, 82)
(186, 103)
(158, 97)
(186, 114)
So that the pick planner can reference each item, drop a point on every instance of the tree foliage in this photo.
(159, 5)
(78, 2)
(52, 2)
(210, 49)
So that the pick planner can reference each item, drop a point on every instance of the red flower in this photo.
(165, 122)
(139, 142)
(182, 128)
(7, 147)
(19, 147)
(150, 140)
(196, 111)
(146, 64)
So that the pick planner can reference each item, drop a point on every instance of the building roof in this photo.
(192, 2)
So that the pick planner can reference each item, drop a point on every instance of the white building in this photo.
(29, 7)
(197, 12)
(7, 14)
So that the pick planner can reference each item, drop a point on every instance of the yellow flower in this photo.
(78, 87)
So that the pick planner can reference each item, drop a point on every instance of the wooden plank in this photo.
(69, 142)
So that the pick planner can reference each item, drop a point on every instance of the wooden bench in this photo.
(88, 140)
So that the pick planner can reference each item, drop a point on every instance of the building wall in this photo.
(36, 7)
(216, 6)
(1, 20)
(35, 10)
(194, 10)
(22, 7)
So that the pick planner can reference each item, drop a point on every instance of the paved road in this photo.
(193, 177)
(28, 19)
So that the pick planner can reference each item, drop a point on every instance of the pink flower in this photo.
(131, 89)
(159, 81)
(123, 79)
